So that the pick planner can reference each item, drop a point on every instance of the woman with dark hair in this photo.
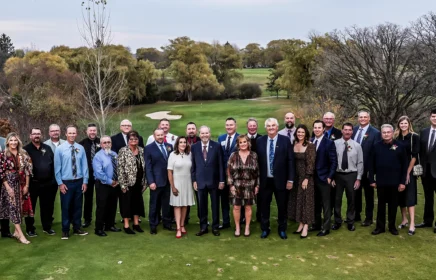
(179, 175)
(131, 178)
(407, 199)
(305, 153)
(15, 170)
(243, 179)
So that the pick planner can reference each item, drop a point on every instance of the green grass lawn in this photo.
(259, 76)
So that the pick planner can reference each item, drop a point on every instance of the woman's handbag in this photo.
(417, 169)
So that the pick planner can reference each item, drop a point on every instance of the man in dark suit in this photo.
(207, 178)
(253, 135)
(387, 172)
(228, 146)
(92, 146)
(156, 162)
(428, 162)
(365, 135)
(325, 167)
(120, 140)
(277, 170)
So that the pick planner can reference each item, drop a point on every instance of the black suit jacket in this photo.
(254, 142)
(283, 169)
(372, 136)
(209, 173)
(156, 165)
(87, 143)
(428, 158)
(118, 142)
(334, 135)
(326, 160)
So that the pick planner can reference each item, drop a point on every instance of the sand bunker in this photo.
(163, 114)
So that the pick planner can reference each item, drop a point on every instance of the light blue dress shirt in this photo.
(63, 163)
(267, 152)
(103, 168)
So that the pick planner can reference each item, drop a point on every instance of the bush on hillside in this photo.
(249, 90)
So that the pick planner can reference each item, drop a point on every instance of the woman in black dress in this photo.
(408, 198)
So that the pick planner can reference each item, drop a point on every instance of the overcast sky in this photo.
(42, 24)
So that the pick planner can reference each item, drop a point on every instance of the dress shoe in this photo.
(113, 229)
(377, 231)
(7, 235)
(304, 236)
(224, 226)
(367, 223)
(323, 233)
(264, 234)
(202, 232)
(283, 235)
(423, 225)
(80, 232)
(137, 228)
(31, 233)
(100, 233)
(86, 224)
(411, 232)
(128, 230)
(49, 232)
(351, 227)
(153, 230)
(216, 232)
(170, 228)
(393, 231)
(297, 232)
(336, 226)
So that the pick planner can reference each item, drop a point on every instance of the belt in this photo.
(72, 181)
(346, 173)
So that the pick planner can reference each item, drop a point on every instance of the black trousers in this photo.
(389, 195)
(46, 192)
(322, 204)
(188, 211)
(203, 205)
(281, 197)
(345, 182)
(88, 198)
(160, 196)
(106, 205)
(369, 199)
(429, 185)
(223, 196)
(5, 227)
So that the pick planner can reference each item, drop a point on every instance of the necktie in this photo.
(359, 136)
(228, 144)
(316, 144)
(114, 166)
(205, 153)
(252, 137)
(431, 144)
(163, 151)
(344, 164)
(289, 134)
(73, 161)
(271, 156)
(326, 135)
(165, 139)
(92, 150)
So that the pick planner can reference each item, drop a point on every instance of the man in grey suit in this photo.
(289, 128)
(54, 132)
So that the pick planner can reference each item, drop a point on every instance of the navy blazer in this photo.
(222, 140)
(373, 136)
(118, 142)
(209, 173)
(326, 160)
(426, 156)
(156, 166)
(283, 165)
(334, 135)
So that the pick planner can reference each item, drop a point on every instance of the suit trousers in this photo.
(389, 195)
(188, 211)
(160, 196)
(5, 227)
(88, 200)
(203, 198)
(47, 196)
(281, 197)
(429, 185)
(322, 204)
(106, 205)
(223, 196)
(345, 181)
(369, 199)
(71, 203)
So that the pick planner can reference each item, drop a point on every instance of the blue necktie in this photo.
(163, 151)
(359, 135)
(271, 156)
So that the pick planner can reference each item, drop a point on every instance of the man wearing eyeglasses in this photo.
(120, 140)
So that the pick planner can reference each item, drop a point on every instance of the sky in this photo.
(41, 24)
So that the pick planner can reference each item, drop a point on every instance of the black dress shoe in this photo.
(336, 226)
(283, 235)
(100, 233)
(264, 234)
(128, 230)
(202, 232)
(323, 233)
(377, 231)
(153, 230)
(170, 228)
(113, 229)
(367, 223)
(224, 226)
(351, 227)
(216, 232)
(31, 233)
(49, 232)
(393, 231)
(423, 225)
(86, 224)
(7, 235)
(137, 228)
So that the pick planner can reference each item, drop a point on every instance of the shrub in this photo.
(249, 90)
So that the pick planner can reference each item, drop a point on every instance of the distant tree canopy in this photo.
(7, 49)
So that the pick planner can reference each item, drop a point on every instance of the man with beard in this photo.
(54, 131)
(92, 146)
(169, 138)
(289, 129)
(104, 165)
(42, 183)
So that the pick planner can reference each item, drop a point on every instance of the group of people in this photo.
(308, 173)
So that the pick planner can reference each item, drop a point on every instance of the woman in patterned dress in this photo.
(243, 179)
(15, 170)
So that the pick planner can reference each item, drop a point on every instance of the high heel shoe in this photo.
(177, 233)
(297, 232)
(403, 226)
(23, 240)
(303, 236)
(185, 231)
(411, 232)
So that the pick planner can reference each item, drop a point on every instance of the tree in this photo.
(152, 55)
(253, 55)
(6, 49)
(272, 84)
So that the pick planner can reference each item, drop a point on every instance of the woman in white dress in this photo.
(179, 175)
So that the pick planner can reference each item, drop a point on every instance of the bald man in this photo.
(289, 129)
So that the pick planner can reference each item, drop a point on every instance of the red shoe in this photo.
(183, 232)
(177, 234)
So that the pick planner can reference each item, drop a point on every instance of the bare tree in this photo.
(104, 84)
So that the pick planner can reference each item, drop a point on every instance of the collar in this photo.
(365, 127)
(320, 138)
(269, 138)
(249, 135)
(207, 144)
(157, 143)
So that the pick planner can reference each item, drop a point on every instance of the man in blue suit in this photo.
(156, 163)
(325, 167)
(366, 135)
(277, 170)
(207, 178)
(228, 146)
